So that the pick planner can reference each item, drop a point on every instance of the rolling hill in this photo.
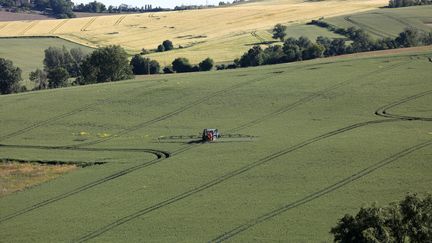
(220, 33)
(303, 144)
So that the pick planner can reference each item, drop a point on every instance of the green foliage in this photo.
(182, 65)
(57, 77)
(279, 32)
(408, 221)
(142, 65)
(254, 57)
(91, 7)
(40, 78)
(168, 45)
(68, 60)
(161, 48)
(106, 64)
(9, 77)
(62, 8)
(408, 3)
(206, 65)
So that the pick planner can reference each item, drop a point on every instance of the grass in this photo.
(387, 22)
(19, 176)
(209, 189)
(227, 30)
(28, 53)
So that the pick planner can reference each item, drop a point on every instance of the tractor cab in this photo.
(210, 135)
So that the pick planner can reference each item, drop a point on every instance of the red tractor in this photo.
(210, 135)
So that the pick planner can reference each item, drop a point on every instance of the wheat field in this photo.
(220, 33)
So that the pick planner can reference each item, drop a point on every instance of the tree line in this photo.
(302, 48)
(63, 67)
(408, 3)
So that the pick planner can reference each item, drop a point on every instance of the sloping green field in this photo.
(28, 53)
(304, 143)
(389, 22)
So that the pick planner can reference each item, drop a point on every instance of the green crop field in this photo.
(303, 144)
(387, 22)
(28, 53)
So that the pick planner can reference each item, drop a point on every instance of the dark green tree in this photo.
(206, 65)
(40, 78)
(409, 37)
(106, 64)
(182, 65)
(410, 220)
(274, 54)
(57, 77)
(142, 65)
(326, 43)
(161, 48)
(254, 57)
(312, 52)
(279, 32)
(9, 77)
(168, 45)
(62, 8)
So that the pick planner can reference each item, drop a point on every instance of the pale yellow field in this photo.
(221, 33)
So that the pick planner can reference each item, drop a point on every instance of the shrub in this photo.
(181, 65)
(168, 45)
(206, 64)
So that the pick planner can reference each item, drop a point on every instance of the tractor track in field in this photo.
(382, 111)
(225, 177)
(172, 113)
(58, 26)
(160, 155)
(119, 20)
(120, 173)
(320, 193)
(310, 98)
(371, 29)
(32, 24)
(217, 181)
(61, 116)
(259, 38)
(90, 22)
(4, 26)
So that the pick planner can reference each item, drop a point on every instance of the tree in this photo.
(106, 64)
(182, 65)
(168, 45)
(408, 221)
(254, 57)
(40, 78)
(279, 32)
(313, 51)
(206, 65)
(142, 65)
(9, 77)
(274, 55)
(326, 43)
(292, 51)
(77, 57)
(337, 47)
(409, 37)
(57, 77)
(62, 8)
(160, 48)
